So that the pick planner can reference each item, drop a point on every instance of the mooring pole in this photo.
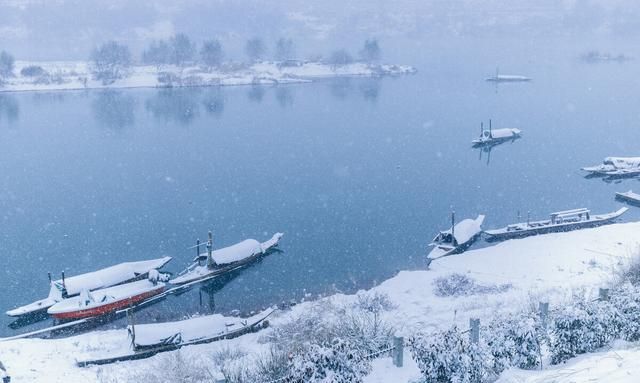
(474, 334)
(453, 226)
(49, 275)
(64, 286)
(398, 351)
(543, 311)
(490, 132)
(209, 250)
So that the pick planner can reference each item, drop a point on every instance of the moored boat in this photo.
(559, 222)
(616, 166)
(72, 286)
(495, 136)
(507, 78)
(217, 262)
(457, 239)
(629, 197)
(105, 301)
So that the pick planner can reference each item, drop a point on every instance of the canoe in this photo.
(105, 301)
(109, 276)
(559, 222)
(226, 259)
(629, 197)
(465, 233)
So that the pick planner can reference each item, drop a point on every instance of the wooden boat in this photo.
(457, 239)
(493, 137)
(629, 197)
(507, 78)
(105, 301)
(560, 221)
(616, 166)
(110, 276)
(217, 262)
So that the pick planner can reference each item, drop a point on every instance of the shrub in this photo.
(337, 362)
(455, 284)
(32, 71)
(583, 327)
(515, 341)
(448, 357)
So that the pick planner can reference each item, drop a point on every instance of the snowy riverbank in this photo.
(549, 267)
(69, 75)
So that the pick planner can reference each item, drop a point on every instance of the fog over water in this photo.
(359, 173)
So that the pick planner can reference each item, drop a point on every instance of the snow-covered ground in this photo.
(543, 268)
(68, 75)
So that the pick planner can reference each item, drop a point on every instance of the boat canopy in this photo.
(235, 253)
(464, 231)
(109, 276)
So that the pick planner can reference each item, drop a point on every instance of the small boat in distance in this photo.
(214, 263)
(616, 167)
(559, 222)
(507, 78)
(107, 277)
(494, 137)
(629, 197)
(457, 239)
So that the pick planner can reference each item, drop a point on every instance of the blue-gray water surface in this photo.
(358, 173)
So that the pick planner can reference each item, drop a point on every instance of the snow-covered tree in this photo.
(340, 57)
(370, 51)
(449, 357)
(182, 49)
(338, 362)
(626, 298)
(111, 61)
(158, 53)
(6, 65)
(255, 49)
(583, 327)
(515, 341)
(284, 49)
(211, 53)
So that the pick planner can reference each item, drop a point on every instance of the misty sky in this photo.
(69, 29)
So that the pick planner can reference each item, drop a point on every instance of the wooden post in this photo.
(49, 275)
(198, 250)
(398, 351)
(474, 333)
(132, 322)
(543, 311)
(453, 227)
(209, 250)
(603, 294)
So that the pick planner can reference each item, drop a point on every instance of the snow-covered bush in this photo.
(456, 284)
(583, 327)
(32, 71)
(515, 341)
(449, 357)
(626, 298)
(338, 362)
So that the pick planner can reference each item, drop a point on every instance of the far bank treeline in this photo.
(111, 60)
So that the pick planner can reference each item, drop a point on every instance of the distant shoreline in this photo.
(76, 75)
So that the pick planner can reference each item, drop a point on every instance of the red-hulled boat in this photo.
(105, 301)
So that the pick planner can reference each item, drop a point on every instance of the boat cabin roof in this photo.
(570, 213)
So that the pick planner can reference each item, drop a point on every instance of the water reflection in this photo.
(9, 109)
(114, 109)
(370, 89)
(340, 87)
(174, 105)
(213, 102)
(485, 149)
(284, 95)
(256, 93)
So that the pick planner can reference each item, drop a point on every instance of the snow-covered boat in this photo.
(507, 78)
(110, 276)
(217, 262)
(190, 331)
(560, 221)
(495, 136)
(457, 239)
(616, 166)
(629, 197)
(106, 301)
